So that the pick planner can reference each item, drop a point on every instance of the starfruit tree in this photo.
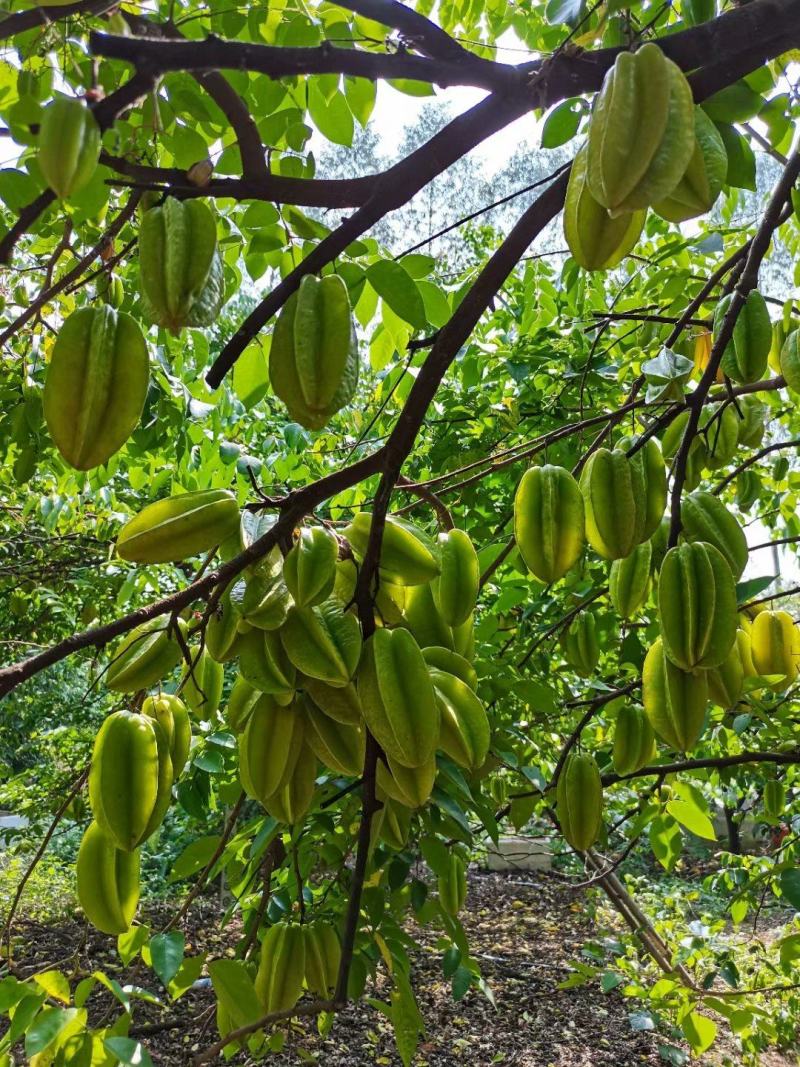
(363, 561)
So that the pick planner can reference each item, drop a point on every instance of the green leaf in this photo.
(699, 1031)
(235, 991)
(406, 1019)
(392, 282)
(166, 952)
(741, 172)
(188, 973)
(361, 94)
(129, 1052)
(565, 12)
(130, 943)
(747, 590)
(333, 118)
(194, 857)
(411, 88)
(691, 817)
(562, 123)
(250, 376)
(55, 984)
(48, 1026)
(665, 841)
(789, 949)
(790, 886)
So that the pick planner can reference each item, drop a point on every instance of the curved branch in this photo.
(278, 62)
(21, 21)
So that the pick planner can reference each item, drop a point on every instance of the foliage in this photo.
(479, 357)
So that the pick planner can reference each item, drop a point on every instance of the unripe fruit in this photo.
(323, 956)
(456, 589)
(641, 132)
(172, 716)
(398, 698)
(96, 385)
(294, 798)
(409, 786)
(704, 177)
(580, 645)
(442, 659)
(130, 779)
(614, 498)
(323, 642)
(408, 555)
(144, 657)
(279, 981)
(705, 518)
(424, 620)
(746, 354)
(339, 746)
(452, 885)
(269, 748)
(579, 798)
(596, 240)
(179, 268)
(310, 567)
(314, 362)
(179, 526)
(108, 882)
(549, 521)
(69, 145)
(634, 741)
(774, 799)
(202, 686)
(674, 701)
(696, 606)
(629, 580)
(465, 731)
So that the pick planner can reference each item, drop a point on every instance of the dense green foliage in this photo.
(475, 363)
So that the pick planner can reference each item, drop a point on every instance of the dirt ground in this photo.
(525, 929)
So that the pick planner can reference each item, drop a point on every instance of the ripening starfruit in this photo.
(281, 969)
(265, 601)
(705, 518)
(696, 606)
(340, 703)
(614, 499)
(408, 555)
(455, 590)
(110, 289)
(596, 240)
(264, 663)
(629, 580)
(423, 618)
(295, 796)
(398, 698)
(775, 647)
(674, 701)
(452, 885)
(314, 361)
(179, 526)
(323, 642)
(96, 385)
(634, 740)
(323, 955)
(704, 177)
(746, 354)
(241, 701)
(449, 662)
(130, 780)
(171, 714)
(202, 685)
(579, 799)
(580, 645)
(269, 747)
(720, 430)
(650, 463)
(641, 132)
(108, 882)
(309, 569)
(144, 657)
(726, 682)
(409, 786)
(69, 145)
(549, 521)
(464, 731)
(339, 746)
(179, 267)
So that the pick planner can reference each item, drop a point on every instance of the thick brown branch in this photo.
(21, 21)
(277, 62)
